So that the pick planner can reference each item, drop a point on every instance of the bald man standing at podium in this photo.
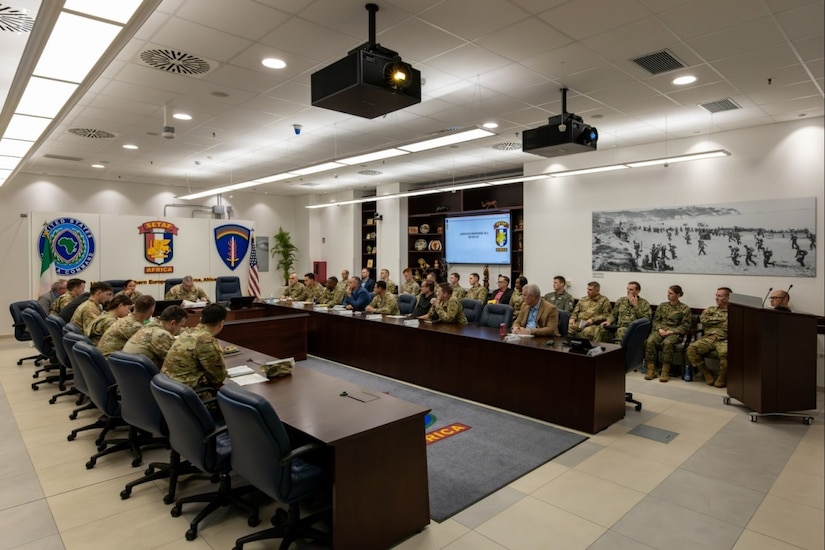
(779, 300)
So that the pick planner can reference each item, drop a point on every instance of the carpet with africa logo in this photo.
(472, 450)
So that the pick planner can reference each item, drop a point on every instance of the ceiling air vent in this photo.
(720, 105)
(175, 61)
(14, 20)
(370, 172)
(61, 157)
(91, 133)
(659, 62)
(507, 146)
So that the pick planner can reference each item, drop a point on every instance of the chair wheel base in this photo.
(191, 534)
(168, 499)
(73, 416)
(71, 437)
(35, 387)
(52, 400)
(125, 493)
(90, 464)
(175, 512)
(253, 521)
(137, 462)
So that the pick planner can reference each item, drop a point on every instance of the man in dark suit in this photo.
(366, 282)
(779, 300)
(423, 305)
(503, 294)
(537, 316)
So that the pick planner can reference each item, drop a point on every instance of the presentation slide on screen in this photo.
(483, 239)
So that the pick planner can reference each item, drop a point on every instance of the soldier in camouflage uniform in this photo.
(446, 308)
(590, 311)
(383, 301)
(392, 288)
(74, 288)
(459, 292)
(560, 297)
(409, 286)
(116, 308)
(626, 310)
(130, 290)
(295, 290)
(187, 290)
(314, 290)
(715, 339)
(332, 295)
(196, 358)
(476, 291)
(155, 339)
(119, 333)
(671, 322)
(517, 299)
(88, 311)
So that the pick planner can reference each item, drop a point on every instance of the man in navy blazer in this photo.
(357, 297)
(366, 282)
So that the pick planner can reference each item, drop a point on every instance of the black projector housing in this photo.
(549, 141)
(357, 85)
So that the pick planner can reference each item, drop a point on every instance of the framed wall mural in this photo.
(772, 237)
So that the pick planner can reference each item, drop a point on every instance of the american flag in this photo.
(254, 288)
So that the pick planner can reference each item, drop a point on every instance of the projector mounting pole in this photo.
(372, 8)
(564, 103)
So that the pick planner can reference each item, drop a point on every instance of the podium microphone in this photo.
(789, 289)
(766, 296)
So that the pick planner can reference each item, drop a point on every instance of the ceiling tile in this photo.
(242, 18)
(742, 38)
(198, 40)
(584, 19)
(803, 22)
(527, 38)
(697, 18)
(456, 17)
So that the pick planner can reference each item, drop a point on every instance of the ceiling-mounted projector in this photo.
(369, 82)
(565, 134)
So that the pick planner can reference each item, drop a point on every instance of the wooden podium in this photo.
(771, 360)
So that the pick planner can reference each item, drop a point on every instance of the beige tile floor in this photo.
(722, 483)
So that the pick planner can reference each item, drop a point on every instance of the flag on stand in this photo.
(253, 286)
(47, 269)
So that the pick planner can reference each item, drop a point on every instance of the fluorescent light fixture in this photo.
(589, 170)
(26, 127)
(120, 10)
(369, 157)
(44, 97)
(15, 147)
(75, 45)
(317, 168)
(182, 116)
(98, 166)
(276, 177)
(680, 158)
(682, 80)
(451, 139)
(130, 146)
(273, 63)
(9, 163)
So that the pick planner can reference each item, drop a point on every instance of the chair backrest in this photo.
(98, 377)
(117, 285)
(21, 333)
(188, 421)
(633, 343)
(564, 322)
(54, 324)
(39, 333)
(259, 442)
(69, 340)
(35, 305)
(494, 314)
(472, 309)
(71, 327)
(406, 303)
(138, 407)
(227, 288)
(170, 283)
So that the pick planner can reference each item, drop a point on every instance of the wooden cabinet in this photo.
(369, 242)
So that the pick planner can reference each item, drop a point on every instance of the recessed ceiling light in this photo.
(682, 80)
(490, 125)
(273, 63)
(98, 166)
(129, 146)
(182, 116)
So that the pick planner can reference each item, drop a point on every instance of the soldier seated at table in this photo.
(196, 358)
(446, 308)
(589, 313)
(626, 310)
(187, 290)
(383, 302)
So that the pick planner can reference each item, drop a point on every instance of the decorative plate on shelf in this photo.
(435, 246)
(425, 228)
(420, 244)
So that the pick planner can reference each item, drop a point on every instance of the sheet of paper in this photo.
(247, 379)
(240, 370)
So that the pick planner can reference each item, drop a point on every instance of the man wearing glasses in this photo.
(715, 338)
(779, 300)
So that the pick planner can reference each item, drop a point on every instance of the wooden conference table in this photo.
(527, 376)
(380, 488)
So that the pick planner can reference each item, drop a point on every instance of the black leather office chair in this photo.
(406, 303)
(633, 344)
(194, 434)
(55, 324)
(227, 288)
(170, 283)
(564, 322)
(36, 327)
(70, 338)
(493, 315)
(472, 310)
(263, 455)
(117, 285)
(21, 333)
(138, 408)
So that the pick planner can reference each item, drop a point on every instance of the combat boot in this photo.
(706, 373)
(665, 375)
(651, 371)
(722, 379)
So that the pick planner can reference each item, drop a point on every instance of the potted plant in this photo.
(283, 249)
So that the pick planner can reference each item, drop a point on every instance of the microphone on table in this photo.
(766, 296)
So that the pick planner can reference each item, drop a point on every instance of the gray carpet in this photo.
(463, 469)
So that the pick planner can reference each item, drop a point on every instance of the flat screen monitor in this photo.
(160, 305)
(478, 239)
(241, 302)
(746, 300)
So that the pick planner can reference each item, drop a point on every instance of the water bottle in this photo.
(688, 374)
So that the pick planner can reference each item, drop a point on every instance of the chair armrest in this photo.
(214, 433)
(113, 392)
(302, 450)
